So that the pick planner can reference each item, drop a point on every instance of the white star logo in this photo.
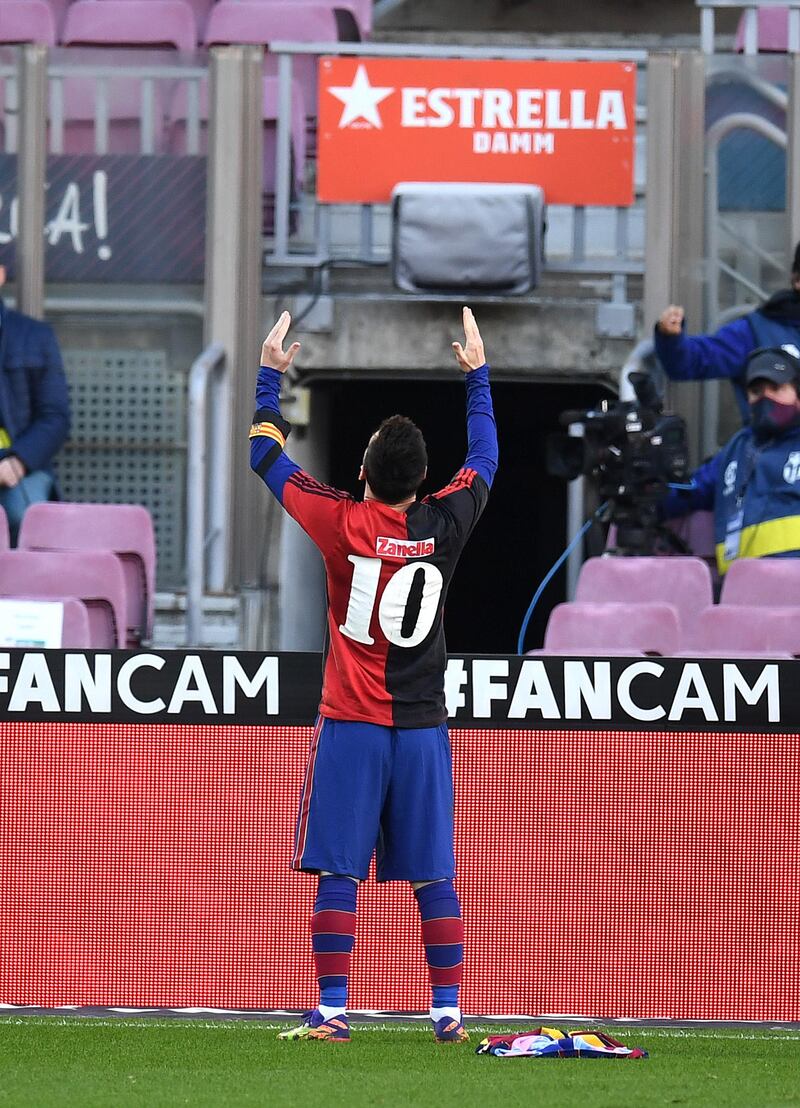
(360, 99)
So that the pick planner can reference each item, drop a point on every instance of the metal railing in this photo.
(209, 368)
(158, 78)
(773, 94)
(714, 136)
(622, 259)
(750, 9)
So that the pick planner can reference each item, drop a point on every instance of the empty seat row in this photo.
(181, 24)
(665, 606)
(95, 579)
(100, 555)
(170, 119)
(654, 628)
(160, 23)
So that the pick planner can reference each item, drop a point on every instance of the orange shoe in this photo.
(315, 1026)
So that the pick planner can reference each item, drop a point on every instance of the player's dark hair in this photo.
(395, 460)
(796, 262)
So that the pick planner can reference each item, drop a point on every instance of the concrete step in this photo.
(221, 622)
(246, 620)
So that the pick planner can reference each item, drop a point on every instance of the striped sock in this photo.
(333, 929)
(443, 935)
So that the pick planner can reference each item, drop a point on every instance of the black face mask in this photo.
(770, 417)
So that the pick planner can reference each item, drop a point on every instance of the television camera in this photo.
(633, 451)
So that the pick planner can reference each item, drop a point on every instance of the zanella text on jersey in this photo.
(401, 548)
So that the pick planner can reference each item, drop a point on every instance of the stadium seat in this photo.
(685, 583)
(125, 530)
(59, 10)
(96, 578)
(258, 22)
(5, 536)
(770, 582)
(157, 23)
(612, 628)
(27, 21)
(75, 630)
(697, 532)
(200, 10)
(362, 13)
(773, 30)
(353, 17)
(735, 631)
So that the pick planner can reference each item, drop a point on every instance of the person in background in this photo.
(753, 483)
(724, 354)
(34, 411)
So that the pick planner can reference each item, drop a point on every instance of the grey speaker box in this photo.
(479, 238)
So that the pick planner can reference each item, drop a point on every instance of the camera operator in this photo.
(753, 483)
(724, 354)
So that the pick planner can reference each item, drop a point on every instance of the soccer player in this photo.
(379, 774)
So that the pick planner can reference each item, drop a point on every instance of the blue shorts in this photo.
(384, 789)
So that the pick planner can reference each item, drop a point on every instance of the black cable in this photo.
(315, 290)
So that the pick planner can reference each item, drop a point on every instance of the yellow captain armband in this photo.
(5, 439)
(267, 431)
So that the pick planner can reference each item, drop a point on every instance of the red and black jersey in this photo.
(387, 575)
(387, 571)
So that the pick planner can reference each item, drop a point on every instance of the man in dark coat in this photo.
(34, 411)
(725, 353)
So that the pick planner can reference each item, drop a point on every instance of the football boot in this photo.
(448, 1030)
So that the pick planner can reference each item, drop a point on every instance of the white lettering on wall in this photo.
(235, 678)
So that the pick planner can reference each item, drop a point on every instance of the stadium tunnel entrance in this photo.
(523, 529)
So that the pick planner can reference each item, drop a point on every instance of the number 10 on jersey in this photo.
(405, 612)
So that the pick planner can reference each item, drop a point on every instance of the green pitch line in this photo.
(58, 1062)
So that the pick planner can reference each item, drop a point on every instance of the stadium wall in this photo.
(628, 835)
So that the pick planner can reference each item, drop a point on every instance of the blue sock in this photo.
(443, 935)
(333, 929)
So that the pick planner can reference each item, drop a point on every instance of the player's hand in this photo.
(670, 322)
(471, 355)
(12, 470)
(272, 352)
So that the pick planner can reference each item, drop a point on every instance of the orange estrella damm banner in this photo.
(566, 126)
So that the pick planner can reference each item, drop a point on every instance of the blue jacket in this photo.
(753, 488)
(34, 402)
(723, 354)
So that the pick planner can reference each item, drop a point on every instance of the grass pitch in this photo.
(148, 1063)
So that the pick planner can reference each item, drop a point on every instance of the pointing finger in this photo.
(470, 326)
(284, 323)
(273, 332)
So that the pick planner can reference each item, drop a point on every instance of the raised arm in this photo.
(701, 357)
(481, 427)
(315, 506)
(269, 431)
